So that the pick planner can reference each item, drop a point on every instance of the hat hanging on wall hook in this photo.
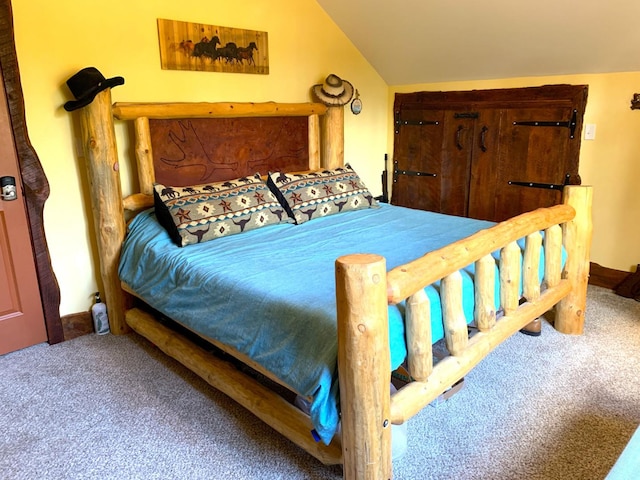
(86, 84)
(334, 91)
(356, 104)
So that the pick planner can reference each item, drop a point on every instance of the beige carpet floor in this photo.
(107, 407)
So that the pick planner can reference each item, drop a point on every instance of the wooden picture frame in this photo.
(212, 48)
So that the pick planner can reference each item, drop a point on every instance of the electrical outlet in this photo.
(590, 131)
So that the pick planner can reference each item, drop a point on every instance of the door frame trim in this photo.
(34, 180)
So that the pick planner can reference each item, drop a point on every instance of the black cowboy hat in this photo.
(86, 84)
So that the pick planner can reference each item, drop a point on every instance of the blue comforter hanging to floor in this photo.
(270, 292)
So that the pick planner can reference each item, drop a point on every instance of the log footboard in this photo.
(364, 290)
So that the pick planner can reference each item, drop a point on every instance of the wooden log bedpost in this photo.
(332, 131)
(364, 366)
(101, 157)
(577, 240)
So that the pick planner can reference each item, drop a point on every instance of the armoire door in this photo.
(484, 149)
(456, 154)
(21, 314)
(486, 154)
(417, 166)
(439, 154)
(536, 159)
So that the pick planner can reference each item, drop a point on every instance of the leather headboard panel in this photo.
(202, 150)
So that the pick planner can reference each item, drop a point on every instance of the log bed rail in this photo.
(364, 289)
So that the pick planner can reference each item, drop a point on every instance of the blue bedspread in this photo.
(270, 292)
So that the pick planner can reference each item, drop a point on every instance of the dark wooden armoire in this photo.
(487, 154)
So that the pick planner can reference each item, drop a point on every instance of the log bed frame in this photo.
(364, 288)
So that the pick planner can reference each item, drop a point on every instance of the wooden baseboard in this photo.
(606, 277)
(76, 325)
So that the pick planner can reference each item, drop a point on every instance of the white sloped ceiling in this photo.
(421, 41)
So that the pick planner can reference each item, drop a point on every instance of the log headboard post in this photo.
(101, 157)
(332, 130)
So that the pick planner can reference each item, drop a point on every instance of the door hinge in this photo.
(547, 186)
(570, 124)
(410, 173)
(399, 122)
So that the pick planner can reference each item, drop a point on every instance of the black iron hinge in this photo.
(570, 124)
(547, 186)
(411, 173)
(399, 122)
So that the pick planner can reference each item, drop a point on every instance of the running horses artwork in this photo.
(211, 48)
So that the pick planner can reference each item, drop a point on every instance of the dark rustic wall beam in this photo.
(34, 181)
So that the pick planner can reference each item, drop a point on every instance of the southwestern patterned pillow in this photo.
(199, 213)
(306, 196)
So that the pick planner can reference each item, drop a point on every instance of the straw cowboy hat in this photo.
(334, 91)
(86, 84)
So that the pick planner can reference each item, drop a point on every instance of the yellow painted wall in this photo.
(56, 39)
(611, 162)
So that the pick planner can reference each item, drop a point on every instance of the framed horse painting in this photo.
(212, 48)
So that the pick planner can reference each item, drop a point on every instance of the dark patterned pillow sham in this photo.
(306, 196)
(200, 213)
